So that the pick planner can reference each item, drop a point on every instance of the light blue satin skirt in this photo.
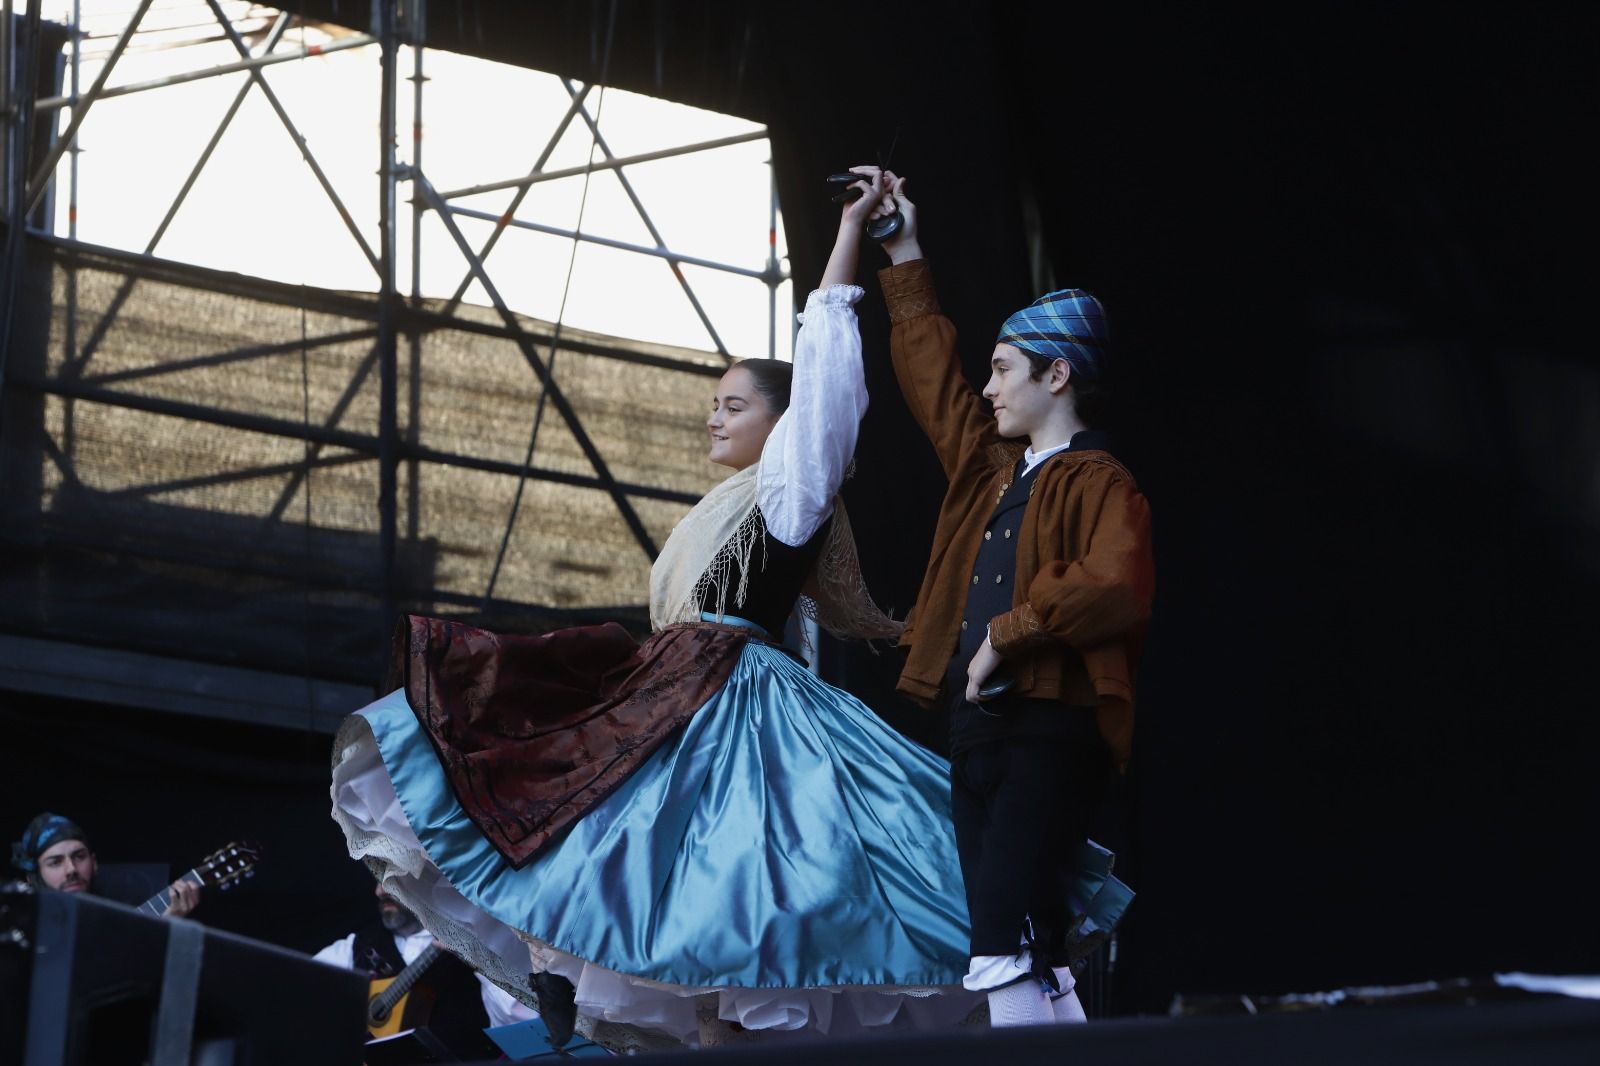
(786, 838)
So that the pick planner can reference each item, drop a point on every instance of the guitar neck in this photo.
(409, 976)
(157, 904)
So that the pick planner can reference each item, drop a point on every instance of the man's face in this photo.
(67, 866)
(1021, 404)
(396, 916)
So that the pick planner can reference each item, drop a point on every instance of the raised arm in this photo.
(922, 346)
(804, 460)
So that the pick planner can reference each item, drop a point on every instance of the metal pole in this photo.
(69, 335)
(50, 103)
(73, 148)
(237, 355)
(419, 35)
(516, 201)
(329, 302)
(300, 141)
(328, 436)
(419, 29)
(77, 65)
(19, 135)
(98, 335)
(388, 370)
(606, 164)
(6, 49)
(294, 468)
(649, 225)
(773, 276)
(273, 37)
(641, 249)
(41, 177)
(314, 449)
(562, 404)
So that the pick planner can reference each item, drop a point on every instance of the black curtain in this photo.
(1346, 250)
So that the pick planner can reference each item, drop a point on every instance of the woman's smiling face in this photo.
(740, 421)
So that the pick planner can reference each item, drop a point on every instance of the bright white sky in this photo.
(258, 210)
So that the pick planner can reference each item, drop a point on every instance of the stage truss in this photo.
(269, 473)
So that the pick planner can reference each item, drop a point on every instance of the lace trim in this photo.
(398, 862)
(733, 557)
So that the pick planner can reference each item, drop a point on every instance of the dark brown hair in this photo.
(773, 378)
(1090, 399)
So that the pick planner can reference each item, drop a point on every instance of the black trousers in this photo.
(1021, 806)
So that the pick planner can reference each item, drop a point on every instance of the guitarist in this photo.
(461, 1002)
(55, 855)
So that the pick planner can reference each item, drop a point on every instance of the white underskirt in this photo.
(375, 825)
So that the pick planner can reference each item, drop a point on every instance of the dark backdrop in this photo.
(1347, 254)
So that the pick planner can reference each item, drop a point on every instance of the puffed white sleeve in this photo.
(804, 460)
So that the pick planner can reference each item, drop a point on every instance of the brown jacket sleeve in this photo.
(1102, 596)
(922, 345)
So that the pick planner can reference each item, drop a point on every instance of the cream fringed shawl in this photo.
(710, 552)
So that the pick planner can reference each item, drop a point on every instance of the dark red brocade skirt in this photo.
(533, 731)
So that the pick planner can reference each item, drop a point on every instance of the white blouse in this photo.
(805, 458)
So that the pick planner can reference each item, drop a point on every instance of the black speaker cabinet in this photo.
(85, 982)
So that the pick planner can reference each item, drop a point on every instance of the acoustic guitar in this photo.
(391, 997)
(222, 869)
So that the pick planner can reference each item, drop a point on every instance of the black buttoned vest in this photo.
(994, 572)
(991, 593)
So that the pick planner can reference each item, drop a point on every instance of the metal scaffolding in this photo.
(402, 319)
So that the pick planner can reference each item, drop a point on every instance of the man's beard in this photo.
(397, 918)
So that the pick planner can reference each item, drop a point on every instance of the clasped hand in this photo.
(874, 201)
(985, 661)
(883, 192)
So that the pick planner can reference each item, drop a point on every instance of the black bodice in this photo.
(776, 579)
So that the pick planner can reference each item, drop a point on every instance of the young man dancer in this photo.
(1030, 617)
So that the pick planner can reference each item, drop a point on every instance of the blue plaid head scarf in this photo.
(1067, 324)
(44, 832)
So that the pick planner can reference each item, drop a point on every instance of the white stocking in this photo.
(1023, 1003)
(1065, 1005)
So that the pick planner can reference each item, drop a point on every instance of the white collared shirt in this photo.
(1031, 458)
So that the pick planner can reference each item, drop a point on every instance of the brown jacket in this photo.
(1085, 576)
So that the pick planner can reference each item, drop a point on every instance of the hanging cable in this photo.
(555, 333)
(308, 545)
(309, 457)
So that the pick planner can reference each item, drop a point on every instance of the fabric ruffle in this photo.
(785, 863)
(832, 296)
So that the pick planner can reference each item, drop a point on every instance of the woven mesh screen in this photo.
(191, 467)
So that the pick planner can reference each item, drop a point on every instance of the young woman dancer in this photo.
(693, 831)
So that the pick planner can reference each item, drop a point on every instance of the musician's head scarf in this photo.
(1067, 324)
(44, 832)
